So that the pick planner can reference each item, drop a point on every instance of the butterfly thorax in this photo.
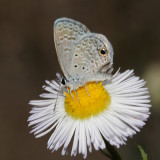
(74, 84)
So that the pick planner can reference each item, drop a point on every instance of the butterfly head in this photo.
(105, 52)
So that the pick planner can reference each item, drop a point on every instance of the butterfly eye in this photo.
(103, 51)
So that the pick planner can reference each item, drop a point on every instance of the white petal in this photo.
(41, 102)
(88, 136)
(75, 141)
(54, 85)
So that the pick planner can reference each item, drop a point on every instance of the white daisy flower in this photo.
(113, 110)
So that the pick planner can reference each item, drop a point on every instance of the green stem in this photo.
(106, 154)
(113, 152)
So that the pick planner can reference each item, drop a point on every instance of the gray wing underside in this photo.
(67, 33)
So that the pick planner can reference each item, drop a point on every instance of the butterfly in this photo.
(83, 56)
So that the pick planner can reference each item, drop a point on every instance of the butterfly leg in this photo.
(57, 97)
(69, 90)
(87, 90)
(76, 94)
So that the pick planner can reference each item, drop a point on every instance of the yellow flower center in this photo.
(83, 105)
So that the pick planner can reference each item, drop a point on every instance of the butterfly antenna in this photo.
(57, 98)
(87, 90)
(58, 80)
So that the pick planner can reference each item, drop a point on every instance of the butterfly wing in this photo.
(93, 56)
(66, 34)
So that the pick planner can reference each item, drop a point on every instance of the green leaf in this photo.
(144, 155)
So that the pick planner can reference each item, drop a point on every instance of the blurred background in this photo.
(28, 57)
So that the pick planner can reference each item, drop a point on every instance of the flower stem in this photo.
(113, 154)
